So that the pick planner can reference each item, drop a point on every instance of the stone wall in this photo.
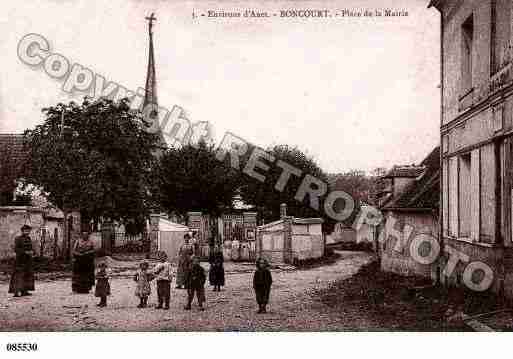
(490, 255)
(401, 261)
(46, 232)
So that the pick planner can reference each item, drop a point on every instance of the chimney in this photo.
(283, 210)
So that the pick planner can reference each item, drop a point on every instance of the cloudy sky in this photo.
(355, 93)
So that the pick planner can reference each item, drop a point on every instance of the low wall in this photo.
(307, 246)
(492, 256)
(270, 245)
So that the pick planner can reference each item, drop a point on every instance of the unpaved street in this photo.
(292, 307)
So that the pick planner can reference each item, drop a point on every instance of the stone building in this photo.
(476, 143)
(290, 239)
(410, 210)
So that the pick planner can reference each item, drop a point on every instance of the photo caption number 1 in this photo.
(21, 347)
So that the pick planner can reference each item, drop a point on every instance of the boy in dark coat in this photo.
(216, 272)
(262, 281)
(195, 284)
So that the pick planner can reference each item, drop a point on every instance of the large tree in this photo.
(268, 200)
(97, 157)
(190, 178)
(362, 186)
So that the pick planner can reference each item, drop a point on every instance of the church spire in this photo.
(150, 93)
(150, 96)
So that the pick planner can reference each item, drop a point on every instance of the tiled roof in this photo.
(12, 158)
(424, 192)
(12, 143)
(405, 171)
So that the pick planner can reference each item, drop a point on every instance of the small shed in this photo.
(170, 237)
(290, 239)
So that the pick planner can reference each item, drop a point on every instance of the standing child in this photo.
(102, 289)
(195, 284)
(262, 281)
(143, 289)
(216, 272)
(164, 274)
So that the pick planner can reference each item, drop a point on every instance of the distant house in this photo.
(410, 208)
(341, 234)
(366, 232)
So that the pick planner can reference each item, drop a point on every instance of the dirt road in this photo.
(293, 307)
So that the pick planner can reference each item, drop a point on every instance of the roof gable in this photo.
(405, 172)
(424, 192)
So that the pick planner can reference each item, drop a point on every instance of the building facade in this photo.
(410, 210)
(476, 130)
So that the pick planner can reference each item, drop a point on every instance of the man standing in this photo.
(195, 244)
(22, 279)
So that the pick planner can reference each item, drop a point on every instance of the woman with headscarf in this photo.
(83, 265)
(22, 279)
(184, 262)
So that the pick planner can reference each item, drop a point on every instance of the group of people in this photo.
(190, 274)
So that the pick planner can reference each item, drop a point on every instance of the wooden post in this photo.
(69, 221)
(287, 239)
(42, 242)
(65, 238)
(55, 243)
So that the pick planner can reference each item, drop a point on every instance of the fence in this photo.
(123, 242)
(240, 251)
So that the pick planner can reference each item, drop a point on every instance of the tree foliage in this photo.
(268, 199)
(362, 186)
(191, 178)
(96, 157)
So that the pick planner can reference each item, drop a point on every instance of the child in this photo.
(102, 289)
(195, 284)
(164, 274)
(143, 289)
(216, 272)
(262, 281)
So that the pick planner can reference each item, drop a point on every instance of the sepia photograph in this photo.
(230, 166)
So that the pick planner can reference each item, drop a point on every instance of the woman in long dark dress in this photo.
(22, 279)
(83, 265)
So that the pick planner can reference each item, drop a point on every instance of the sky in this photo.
(354, 93)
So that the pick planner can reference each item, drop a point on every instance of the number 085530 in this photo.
(22, 347)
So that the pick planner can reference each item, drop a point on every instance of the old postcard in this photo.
(255, 166)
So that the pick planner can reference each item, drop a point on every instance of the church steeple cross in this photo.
(150, 19)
